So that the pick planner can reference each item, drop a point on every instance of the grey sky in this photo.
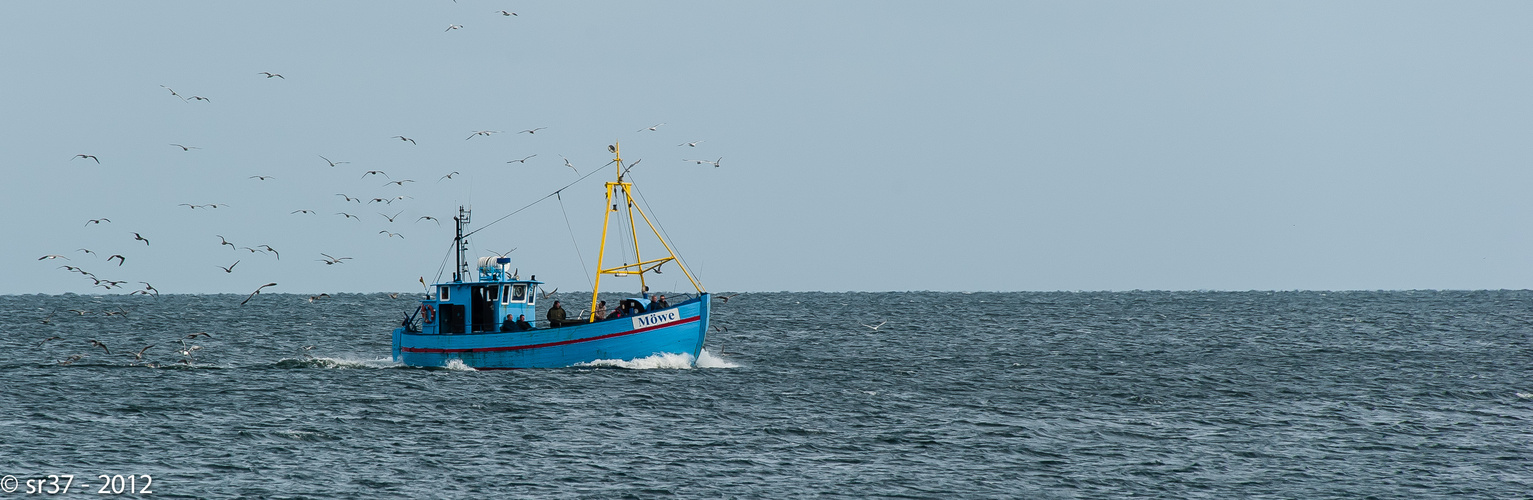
(865, 145)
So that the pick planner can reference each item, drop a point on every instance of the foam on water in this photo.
(661, 360)
(709, 360)
(458, 366)
(336, 363)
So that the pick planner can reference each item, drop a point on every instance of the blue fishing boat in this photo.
(476, 322)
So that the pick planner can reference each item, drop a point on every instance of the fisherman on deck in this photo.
(601, 310)
(521, 323)
(556, 315)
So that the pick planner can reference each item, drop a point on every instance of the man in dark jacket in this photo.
(521, 323)
(555, 315)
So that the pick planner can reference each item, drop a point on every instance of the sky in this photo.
(862, 145)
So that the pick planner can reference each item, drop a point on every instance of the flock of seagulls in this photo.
(118, 260)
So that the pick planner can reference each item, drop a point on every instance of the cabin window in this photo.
(532, 293)
(442, 294)
(519, 293)
(505, 295)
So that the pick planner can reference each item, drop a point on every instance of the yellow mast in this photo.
(639, 266)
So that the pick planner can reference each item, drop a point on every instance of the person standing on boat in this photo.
(556, 315)
(601, 311)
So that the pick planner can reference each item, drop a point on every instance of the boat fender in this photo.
(428, 314)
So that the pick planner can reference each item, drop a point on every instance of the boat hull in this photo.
(680, 329)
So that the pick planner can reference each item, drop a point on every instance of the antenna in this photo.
(460, 221)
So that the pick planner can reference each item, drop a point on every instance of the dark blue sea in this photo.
(1413, 394)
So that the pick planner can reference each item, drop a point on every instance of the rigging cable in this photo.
(572, 238)
(534, 202)
(680, 260)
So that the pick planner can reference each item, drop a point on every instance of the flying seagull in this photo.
(230, 269)
(391, 219)
(875, 327)
(223, 241)
(97, 221)
(200, 98)
(451, 27)
(185, 148)
(271, 75)
(690, 144)
(391, 235)
(359, 219)
(261, 177)
(398, 183)
(403, 138)
(139, 356)
(531, 130)
(137, 237)
(93, 157)
(485, 133)
(651, 127)
(53, 256)
(334, 163)
(506, 13)
(173, 92)
(449, 176)
(252, 294)
(523, 160)
(430, 218)
(375, 172)
(120, 259)
(98, 343)
(570, 165)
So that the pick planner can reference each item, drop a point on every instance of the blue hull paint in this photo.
(680, 329)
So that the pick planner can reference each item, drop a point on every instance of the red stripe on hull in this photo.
(552, 344)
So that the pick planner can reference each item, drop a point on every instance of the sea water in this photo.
(1415, 394)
